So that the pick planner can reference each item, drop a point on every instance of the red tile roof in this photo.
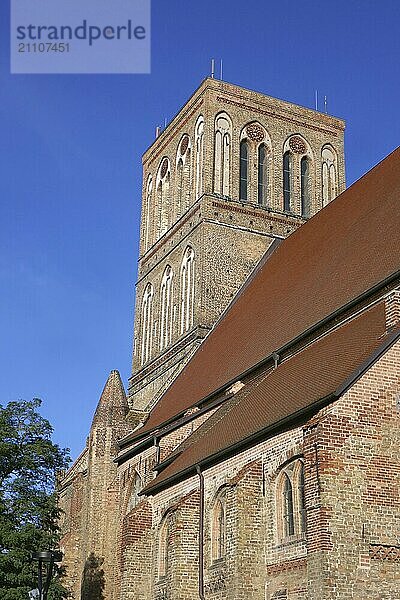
(300, 382)
(346, 249)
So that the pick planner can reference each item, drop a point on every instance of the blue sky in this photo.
(70, 171)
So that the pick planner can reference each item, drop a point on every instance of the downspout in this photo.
(201, 534)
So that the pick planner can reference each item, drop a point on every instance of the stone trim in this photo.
(266, 215)
(288, 565)
(274, 115)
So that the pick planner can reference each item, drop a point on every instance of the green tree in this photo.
(29, 462)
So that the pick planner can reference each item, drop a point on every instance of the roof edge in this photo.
(238, 446)
(158, 434)
(390, 339)
(388, 342)
(331, 317)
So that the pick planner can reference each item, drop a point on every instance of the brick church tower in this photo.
(233, 172)
(232, 175)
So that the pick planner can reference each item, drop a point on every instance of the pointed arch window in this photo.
(329, 175)
(180, 188)
(147, 324)
(287, 183)
(288, 514)
(186, 181)
(219, 528)
(244, 169)
(163, 549)
(262, 175)
(290, 501)
(163, 196)
(199, 143)
(183, 159)
(187, 290)
(166, 300)
(222, 154)
(305, 186)
(147, 214)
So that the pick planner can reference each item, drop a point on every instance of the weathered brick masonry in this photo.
(256, 455)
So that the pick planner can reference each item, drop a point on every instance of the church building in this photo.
(255, 453)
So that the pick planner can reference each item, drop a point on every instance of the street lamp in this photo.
(46, 562)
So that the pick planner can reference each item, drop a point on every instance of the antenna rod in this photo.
(326, 105)
(212, 68)
(222, 69)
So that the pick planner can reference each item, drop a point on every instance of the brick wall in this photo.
(135, 552)
(359, 484)
(352, 482)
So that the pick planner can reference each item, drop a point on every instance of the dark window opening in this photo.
(262, 175)
(287, 182)
(244, 167)
(305, 186)
(288, 507)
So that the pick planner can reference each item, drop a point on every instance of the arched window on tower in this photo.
(179, 188)
(163, 549)
(163, 196)
(134, 498)
(254, 163)
(329, 175)
(199, 143)
(222, 154)
(187, 290)
(244, 170)
(305, 186)
(166, 299)
(291, 513)
(187, 179)
(262, 175)
(287, 181)
(182, 191)
(218, 545)
(147, 214)
(147, 324)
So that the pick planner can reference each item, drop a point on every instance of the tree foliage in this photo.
(29, 462)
